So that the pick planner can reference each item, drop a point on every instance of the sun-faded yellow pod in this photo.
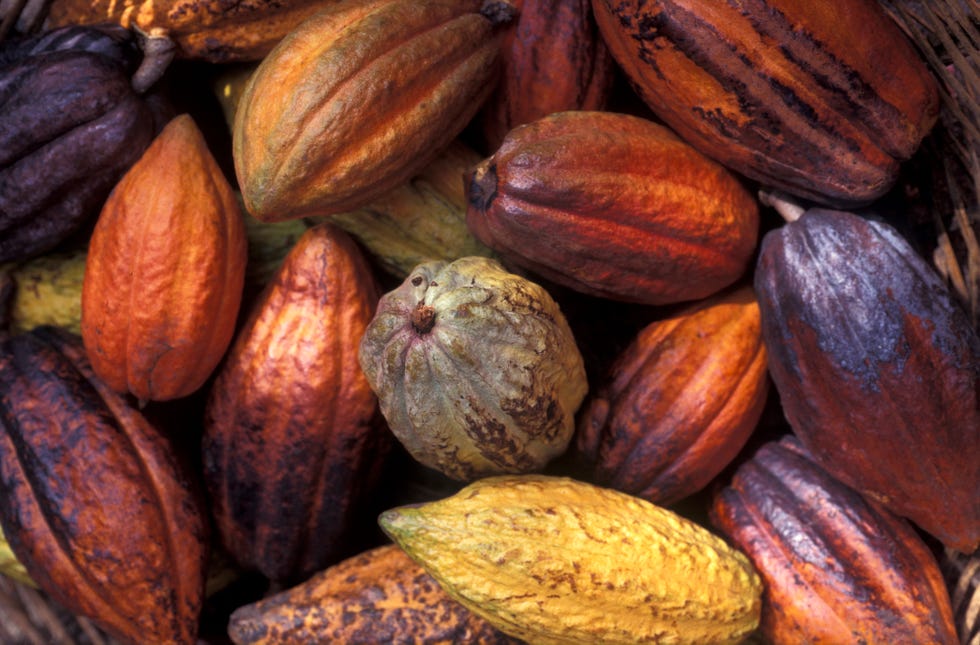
(556, 561)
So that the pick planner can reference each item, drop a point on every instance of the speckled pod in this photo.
(877, 367)
(95, 503)
(821, 99)
(837, 569)
(292, 441)
(555, 561)
(378, 596)
(476, 369)
(613, 206)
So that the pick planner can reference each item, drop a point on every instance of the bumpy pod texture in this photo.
(556, 561)
(475, 368)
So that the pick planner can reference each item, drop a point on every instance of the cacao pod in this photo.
(614, 206)
(378, 596)
(216, 31)
(553, 560)
(475, 368)
(95, 502)
(680, 401)
(292, 439)
(836, 568)
(421, 220)
(10, 566)
(962, 574)
(820, 99)
(877, 367)
(72, 126)
(165, 270)
(47, 290)
(357, 100)
(553, 60)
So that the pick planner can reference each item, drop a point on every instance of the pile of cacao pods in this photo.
(489, 321)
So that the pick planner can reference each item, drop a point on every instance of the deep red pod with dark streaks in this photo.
(822, 99)
(836, 567)
(877, 367)
(95, 502)
(292, 438)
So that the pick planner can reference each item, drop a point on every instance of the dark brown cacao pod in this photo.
(821, 99)
(292, 439)
(877, 367)
(837, 568)
(95, 503)
(72, 124)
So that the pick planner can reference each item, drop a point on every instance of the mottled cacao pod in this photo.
(552, 60)
(877, 367)
(95, 503)
(475, 368)
(378, 596)
(292, 441)
(357, 100)
(614, 206)
(821, 99)
(837, 568)
(214, 31)
(679, 402)
(165, 270)
(962, 574)
(72, 125)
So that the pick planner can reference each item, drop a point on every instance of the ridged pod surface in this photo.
(821, 99)
(476, 369)
(614, 206)
(292, 439)
(95, 503)
(71, 126)
(378, 596)
(210, 30)
(680, 401)
(357, 100)
(836, 567)
(552, 560)
(165, 270)
(877, 367)
(553, 59)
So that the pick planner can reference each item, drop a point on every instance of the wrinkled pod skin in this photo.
(877, 367)
(476, 369)
(613, 206)
(837, 567)
(72, 125)
(96, 504)
(679, 401)
(292, 441)
(821, 99)
(378, 596)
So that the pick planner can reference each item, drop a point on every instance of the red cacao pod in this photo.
(877, 367)
(614, 206)
(680, 402)
(292, 439)
(165, 270)
(821, 99)
(96, 504)
(836, 567)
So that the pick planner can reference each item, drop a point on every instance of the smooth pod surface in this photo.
(877, 367)
(614, 206)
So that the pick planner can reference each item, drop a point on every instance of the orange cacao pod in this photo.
(357, 100)
(378, 596)
(680, 402)
(292, 439)
(165, 270)
(553, 60)
(95, 503)
(821, 99)
(614, 206)
(836, 567)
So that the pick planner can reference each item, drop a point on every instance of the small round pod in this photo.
(475, 368)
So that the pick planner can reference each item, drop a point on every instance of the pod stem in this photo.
(784, 204)
(158, 51)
